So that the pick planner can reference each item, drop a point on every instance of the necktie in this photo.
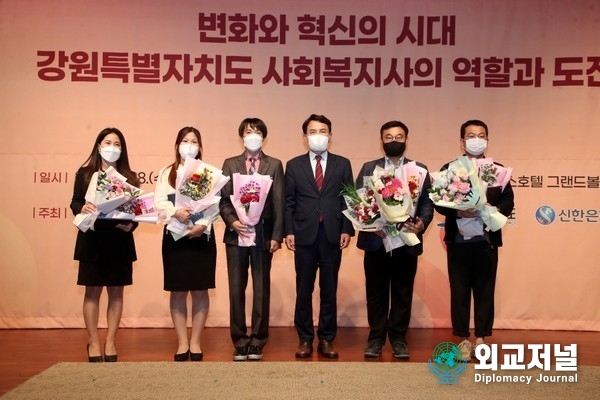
(319, 173)
(252, 165)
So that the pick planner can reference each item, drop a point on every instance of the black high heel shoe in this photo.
(109, 357)
(93, 358)
(196, 356)
(182, 356)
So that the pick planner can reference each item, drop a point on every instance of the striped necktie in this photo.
(319, 173)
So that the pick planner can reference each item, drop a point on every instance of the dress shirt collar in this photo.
(258, 156)
(312, 156)
(389, 164)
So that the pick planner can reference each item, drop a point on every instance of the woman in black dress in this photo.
(189, 262)
(107, 251)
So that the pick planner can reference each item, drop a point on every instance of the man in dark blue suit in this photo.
(390, 275)
(316, 231)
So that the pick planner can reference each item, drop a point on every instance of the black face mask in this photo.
(394, 149)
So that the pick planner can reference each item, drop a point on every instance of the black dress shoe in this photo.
(196, 356)
(326, 349)
(304, 350)
(93, 358)
(109, 357)
(182, 356)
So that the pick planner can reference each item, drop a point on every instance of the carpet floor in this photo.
(294, 380)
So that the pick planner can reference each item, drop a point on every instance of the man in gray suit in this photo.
(316, 231)
(269, 235)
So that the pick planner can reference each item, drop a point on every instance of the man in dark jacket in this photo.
(390, 275)
(473, 258)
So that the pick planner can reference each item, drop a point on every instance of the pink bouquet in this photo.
(107, 191)
(112, 190)
(459, 187)
(391, 193)
(395, 199)
(414, 177)
(138, 209)
(197, 187)
(249, 196)
(453, 187)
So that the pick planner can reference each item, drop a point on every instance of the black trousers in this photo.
(472, 270)
(326, 258)
(390, 281)
(259, 261)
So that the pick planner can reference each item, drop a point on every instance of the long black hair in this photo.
(180, 136)
(94, 161)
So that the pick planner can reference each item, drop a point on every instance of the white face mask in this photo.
(475, 146)
(188, 150)
(318, 143)
(253, 142)
(110, 153)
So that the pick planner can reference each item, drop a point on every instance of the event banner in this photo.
(529, 69)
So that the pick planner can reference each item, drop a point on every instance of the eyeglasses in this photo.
(397, 138)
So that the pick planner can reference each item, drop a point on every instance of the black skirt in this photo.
(105, 273)
(189, 264)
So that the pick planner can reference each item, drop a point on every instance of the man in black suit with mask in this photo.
(316, 231)
(390, 275)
